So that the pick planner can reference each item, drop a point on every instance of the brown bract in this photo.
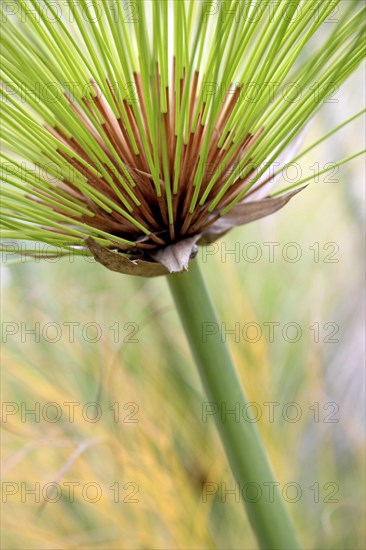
(175, 258)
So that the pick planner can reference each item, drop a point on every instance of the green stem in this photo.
(244, 449)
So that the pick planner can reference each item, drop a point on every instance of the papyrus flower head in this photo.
(137, 130)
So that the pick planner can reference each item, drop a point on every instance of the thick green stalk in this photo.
(244, 449)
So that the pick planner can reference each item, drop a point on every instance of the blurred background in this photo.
(119, 453)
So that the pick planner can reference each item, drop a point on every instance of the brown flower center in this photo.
(124, 139)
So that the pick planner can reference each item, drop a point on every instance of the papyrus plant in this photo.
(136, 131)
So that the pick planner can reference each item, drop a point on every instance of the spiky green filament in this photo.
(138, 124)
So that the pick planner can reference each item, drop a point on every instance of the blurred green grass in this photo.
(170, 453)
